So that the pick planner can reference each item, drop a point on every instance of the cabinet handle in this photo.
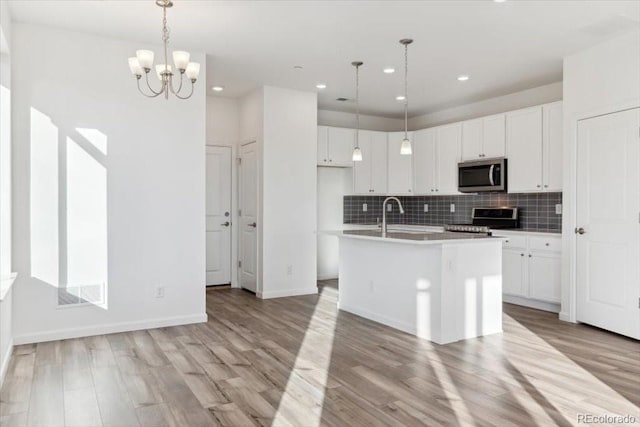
(331, 160)
(546, 244)
(432, 190)
(409, 190)
(325, 160)
(529, 255)
(437, 189)
(546, 186)
(521, 254)
(538, 185)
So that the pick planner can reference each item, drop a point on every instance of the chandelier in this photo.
(142, 64)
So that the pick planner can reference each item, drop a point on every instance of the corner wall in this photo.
(600, 80)
(72, 118)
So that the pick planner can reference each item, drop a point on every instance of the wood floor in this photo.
(297, 362)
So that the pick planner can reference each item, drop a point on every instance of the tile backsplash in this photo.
(537, 210)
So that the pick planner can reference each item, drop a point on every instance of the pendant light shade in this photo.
(405, 147)
(357, 152)
(357, 155)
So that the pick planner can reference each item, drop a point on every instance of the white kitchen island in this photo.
(443, 287)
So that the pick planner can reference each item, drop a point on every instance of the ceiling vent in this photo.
(342, 99)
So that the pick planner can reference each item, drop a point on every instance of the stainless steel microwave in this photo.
(482, 176)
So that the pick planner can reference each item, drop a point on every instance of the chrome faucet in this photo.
(384, 213)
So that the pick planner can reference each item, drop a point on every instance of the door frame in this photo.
(569, 291)
(237, 195)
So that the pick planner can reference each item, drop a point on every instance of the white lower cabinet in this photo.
(531, 270)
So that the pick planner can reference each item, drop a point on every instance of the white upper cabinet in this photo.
(534, 149)
(483, 138)
(552, 129)
(448, 155)
(494, 138)
(335, 146)
(370, 175)
(400, 178)
(424, 161)
(524, 150)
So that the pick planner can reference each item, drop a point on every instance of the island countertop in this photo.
(415, 237)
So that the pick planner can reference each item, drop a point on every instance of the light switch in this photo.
(426, 207)
(364, 207)
(452, 207)
(559, 209)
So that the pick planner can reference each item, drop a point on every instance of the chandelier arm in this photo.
(146, 76)
(188, 96)
(175, 92)
(148, 96)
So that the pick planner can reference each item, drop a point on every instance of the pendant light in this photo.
(405, 147)
(357, 152)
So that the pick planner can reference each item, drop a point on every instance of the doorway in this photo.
(218, 215)
(248, 217)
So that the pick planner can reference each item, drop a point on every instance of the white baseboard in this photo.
(565, 317)
(5, 361)
(288, 293)
(532, 303)
(330, 277)
(62, 334)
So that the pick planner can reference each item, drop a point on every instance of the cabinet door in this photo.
(341, 146)
(362, 170)
(472, 140)
(513, 272)
(524, 150)
(552, 146)
(323, 145)
(544, 276)
(378, 149)
(424, 161)
(448, 156)
(400, 174)
(493, 136)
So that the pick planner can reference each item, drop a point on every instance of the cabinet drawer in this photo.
(514, 242)
(552, 243)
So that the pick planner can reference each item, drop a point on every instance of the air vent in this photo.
(342, 99)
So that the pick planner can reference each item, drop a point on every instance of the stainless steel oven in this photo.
(482, 175)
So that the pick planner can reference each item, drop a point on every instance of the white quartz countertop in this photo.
(415, 237)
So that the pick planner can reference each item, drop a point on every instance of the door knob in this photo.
(580, 230)
(253, 224)
(225, 224)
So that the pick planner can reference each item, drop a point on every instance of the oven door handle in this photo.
(491, 175)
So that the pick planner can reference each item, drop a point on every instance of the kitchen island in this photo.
(443, 287)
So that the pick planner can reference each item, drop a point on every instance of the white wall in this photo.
(289, 216)
(348, 120)
(602, 79)
(154, 197)
(6, 293)
(333, 185)
(526, 98)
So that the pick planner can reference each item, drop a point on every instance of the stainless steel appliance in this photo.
(483, 220)
(482, 175)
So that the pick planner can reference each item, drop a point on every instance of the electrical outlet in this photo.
(160, 292)
(289, 270)
(452, 207)
(364, 207)
(559, 209)
(389, 207)
(426, 207)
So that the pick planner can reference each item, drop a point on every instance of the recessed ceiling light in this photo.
(321, 86)
(463, 78)
(389, 70)
(218, 88)
(499, 1)
(400, 98)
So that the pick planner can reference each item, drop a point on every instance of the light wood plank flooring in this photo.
(298, 362)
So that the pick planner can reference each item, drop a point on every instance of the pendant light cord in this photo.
(406, 98)
(357, 106)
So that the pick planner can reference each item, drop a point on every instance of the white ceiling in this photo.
(504, 47)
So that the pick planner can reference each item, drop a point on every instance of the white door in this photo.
(448, 155)
(323, 145)
(524, 150)
(424, 161)
(493, 136)
(552, 146)
(513, 272)
(608, 212)
(544, 276)
(341, 146)
(400, 174)
(362, 170)
(218, 215)
(248, 201)
(379, 162)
